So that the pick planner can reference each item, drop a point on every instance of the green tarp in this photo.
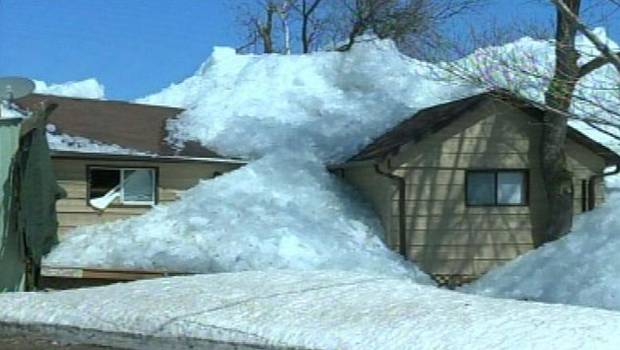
(28, 221)
(12, 250)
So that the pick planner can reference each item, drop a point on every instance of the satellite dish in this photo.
(15, 87)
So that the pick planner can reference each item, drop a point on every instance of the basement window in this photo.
(124, 186)
(496, 187)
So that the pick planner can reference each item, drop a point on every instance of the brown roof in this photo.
(428, 121)
(130, 125)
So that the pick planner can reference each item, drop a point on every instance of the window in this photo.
(496, 187)
(135, 186)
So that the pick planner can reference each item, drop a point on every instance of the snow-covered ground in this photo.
(582, 268)
(302, 310)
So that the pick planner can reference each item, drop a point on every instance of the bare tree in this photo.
(339, 23)
(558, 98)
(308, 34)
(260, 20)
(561, 101)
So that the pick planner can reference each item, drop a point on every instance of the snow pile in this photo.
(282, 211)
(582, 268)
(525, 67)
(331, 102)
(301, 310)
(89, 88)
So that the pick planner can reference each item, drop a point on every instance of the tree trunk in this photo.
(556, 175)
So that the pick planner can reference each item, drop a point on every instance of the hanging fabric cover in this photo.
(12, 249)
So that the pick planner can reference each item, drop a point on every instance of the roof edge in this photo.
(143, 158)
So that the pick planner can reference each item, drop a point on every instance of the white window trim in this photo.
(153, 188)
(122, 191)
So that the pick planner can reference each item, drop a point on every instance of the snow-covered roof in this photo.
(112, 127)
(429, 120)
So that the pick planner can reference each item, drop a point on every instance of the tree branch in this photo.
(600, 45)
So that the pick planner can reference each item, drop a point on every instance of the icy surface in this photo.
(309, 310)
(582, 268)
(89, 88)
(282, 211)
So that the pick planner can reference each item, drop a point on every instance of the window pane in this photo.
(480, 188)
(510, 185)
(138, 185)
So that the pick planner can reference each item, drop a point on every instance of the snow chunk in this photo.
(88, 88)
(582, 268)
(281, 212)
(305, 310)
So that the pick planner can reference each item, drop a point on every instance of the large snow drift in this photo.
(330, 102)
(582, 268)
(282, 211)
(301, 310)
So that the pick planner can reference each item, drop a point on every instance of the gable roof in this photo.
(130, 125)
(430, 120)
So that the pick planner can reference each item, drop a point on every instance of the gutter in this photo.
(402, 193)
(592, 185)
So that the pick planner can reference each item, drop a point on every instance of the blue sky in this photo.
(136, 47)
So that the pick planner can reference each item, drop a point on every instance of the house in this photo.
(28, 193)
(113, 160)
(458, 186)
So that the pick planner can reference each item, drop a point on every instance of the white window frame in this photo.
(122, 184)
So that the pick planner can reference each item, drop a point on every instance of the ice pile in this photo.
(282, 211)
(331, 102)
(301, 310)
(583, 268)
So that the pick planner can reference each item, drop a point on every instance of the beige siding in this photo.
(174, 178)
(446, 237)
(376, 190)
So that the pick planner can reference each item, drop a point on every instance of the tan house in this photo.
(104, 185)
(458, 186)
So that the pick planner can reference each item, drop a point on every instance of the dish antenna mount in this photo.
(15, 87)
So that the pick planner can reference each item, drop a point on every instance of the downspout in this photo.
(592, 185)
(402, 226)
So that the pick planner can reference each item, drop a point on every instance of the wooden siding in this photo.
(446, 237)
(173, 179)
